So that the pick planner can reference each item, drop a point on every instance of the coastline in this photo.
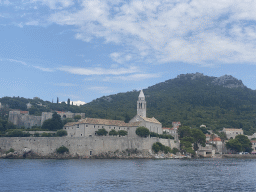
(107, 155)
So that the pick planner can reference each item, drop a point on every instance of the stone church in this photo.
(88, 126)
(151, 123)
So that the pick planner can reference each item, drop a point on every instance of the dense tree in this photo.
(101, 132)
(199, 138)
(234, 145)
(61, 133)
(184, 131)
(245, 143)
(55, 123)
(122, 132)
(113, 132)
(142, 132)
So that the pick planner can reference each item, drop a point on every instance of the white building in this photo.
(232, 133)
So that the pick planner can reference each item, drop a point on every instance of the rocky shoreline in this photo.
(29, 154)
(128, 154)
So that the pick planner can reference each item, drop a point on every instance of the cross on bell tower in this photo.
(141, 105)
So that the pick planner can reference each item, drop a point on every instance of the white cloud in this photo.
(44, 69)
(17, 61)
(192, 31)
(34, 23)
(133, 77)
(55, 4)
(120, 57)
(98, 70)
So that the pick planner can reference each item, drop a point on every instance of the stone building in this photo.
(88, 126)
(232, 133)
(22, 118)
(151, 123)
(29, 105)
(63, 115)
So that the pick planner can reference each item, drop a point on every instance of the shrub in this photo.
(61, 133)
(122, 132)
(101, 132)
(165, 136)
(36, 134)
(62, 150)
(77, 117)
(153, 134)
(17, 133)
(113, 132)
(10, 150)
(175, 150)
(44, 134)
(142, 131)
(156, 147)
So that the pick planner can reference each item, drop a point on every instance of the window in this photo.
(94, 126)
(90, 135)
(102, 126)
(81, 134)
(90, 152)
(119, 127)
(114, 127)
(86, 125)
(77, 126)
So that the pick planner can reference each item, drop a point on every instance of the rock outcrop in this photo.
(228, 81)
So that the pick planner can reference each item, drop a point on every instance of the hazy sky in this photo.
(85, 49)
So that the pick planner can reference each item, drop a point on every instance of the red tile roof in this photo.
(216, 139)
(95, 121)
(24, 112)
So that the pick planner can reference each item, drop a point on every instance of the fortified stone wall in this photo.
(81, 146)
(30, 120)
(14, 117)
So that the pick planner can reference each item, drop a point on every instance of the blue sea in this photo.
(128, 175)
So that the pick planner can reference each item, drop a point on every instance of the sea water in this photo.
(128, 175)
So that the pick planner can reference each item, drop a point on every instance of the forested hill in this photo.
(192, 99)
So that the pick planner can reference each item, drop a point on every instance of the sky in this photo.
(85, 49)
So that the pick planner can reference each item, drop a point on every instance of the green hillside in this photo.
(192, 99)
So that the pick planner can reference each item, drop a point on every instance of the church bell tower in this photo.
(141, 105)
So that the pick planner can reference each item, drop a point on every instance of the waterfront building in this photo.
(232, 132)
(87, 127)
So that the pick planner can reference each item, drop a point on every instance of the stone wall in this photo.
(82, 146)
(31, 120)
